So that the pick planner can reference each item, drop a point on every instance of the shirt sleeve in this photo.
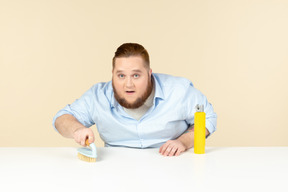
(82, 109)
(195, 97)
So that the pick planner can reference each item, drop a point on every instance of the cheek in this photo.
(142, 86)
(118, 86)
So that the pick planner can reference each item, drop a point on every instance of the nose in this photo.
(129, 83)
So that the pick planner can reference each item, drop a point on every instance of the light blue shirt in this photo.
(171, 114)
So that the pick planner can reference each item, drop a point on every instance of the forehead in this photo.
(131, 63)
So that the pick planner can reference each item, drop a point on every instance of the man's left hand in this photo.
(172, 148)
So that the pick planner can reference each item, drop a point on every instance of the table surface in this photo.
(126, 169)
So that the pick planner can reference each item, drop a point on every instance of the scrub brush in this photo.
(87, 154)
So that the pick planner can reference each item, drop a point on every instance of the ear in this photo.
(150, 72)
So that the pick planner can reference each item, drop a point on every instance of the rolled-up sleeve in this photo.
(195, 97)
(81, 109)
(211, 116)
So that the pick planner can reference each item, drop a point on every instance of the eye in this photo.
(136, 76)
(121, 76)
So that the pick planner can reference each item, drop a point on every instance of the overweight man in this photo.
(138, 108)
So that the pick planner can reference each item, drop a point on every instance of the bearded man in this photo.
(138, 108)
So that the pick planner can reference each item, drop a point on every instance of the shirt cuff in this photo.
(210, 127)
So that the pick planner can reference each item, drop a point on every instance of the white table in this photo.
(123, 169)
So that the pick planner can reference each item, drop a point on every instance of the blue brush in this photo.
(88, 154)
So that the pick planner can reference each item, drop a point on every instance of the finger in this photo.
(82, 142)
(160, 149)
(179, 151)
(78, 139)
(78, 135)
(163, 148)
(167, 151)
(84, 138)
(173, 150)
(91, 138)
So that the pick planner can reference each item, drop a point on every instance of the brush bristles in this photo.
(85, 158)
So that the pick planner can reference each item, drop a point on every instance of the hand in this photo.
(172, 148)
(81, 134)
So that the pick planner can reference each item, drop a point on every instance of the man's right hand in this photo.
(68, 126)
(81, 134)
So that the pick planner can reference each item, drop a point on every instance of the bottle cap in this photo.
(199, 108)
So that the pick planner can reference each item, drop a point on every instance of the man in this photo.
(137, 108)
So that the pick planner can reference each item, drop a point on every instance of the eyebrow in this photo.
(135, 70)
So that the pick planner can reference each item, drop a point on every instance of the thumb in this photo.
(91, 138)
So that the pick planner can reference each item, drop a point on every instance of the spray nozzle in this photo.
(199, 108)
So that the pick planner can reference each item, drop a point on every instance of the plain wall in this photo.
(235, 52)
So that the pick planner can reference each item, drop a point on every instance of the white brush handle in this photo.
(93, 148)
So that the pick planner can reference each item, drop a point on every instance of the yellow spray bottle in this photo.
(199, 130)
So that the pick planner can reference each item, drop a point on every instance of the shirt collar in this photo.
(113, 102)
(158, 89)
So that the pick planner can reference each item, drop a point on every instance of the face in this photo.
(131, 81)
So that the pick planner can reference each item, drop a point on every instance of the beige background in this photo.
(235, 52)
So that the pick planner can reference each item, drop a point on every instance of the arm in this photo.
(69, 127)
(179, 145)
(74, 119)
(191, 98)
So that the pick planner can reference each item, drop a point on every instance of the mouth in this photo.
(130, 92)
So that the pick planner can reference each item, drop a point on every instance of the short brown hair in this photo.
(132, 49)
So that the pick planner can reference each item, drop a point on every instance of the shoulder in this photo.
(101, 87)
(170, 81)
(173, 87)
(100, 90)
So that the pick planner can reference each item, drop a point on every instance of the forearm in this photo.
(187, 138)
(67, 125)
